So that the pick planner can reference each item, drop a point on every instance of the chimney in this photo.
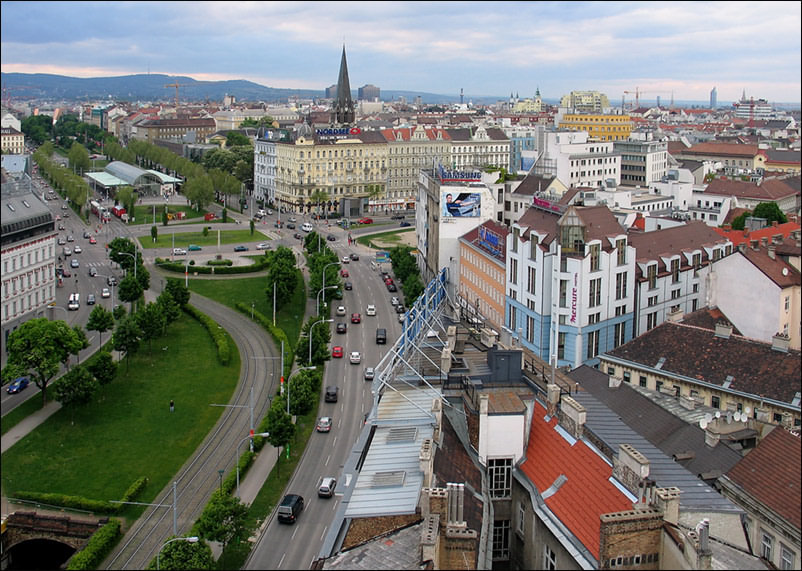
(742, 247)
(764, 241)
(723, 330)
(553, 394)
(675, 316)
(629, 456)
(772, 249)
(727, 227)
(668, 501)
(426, 461)
(774, 223)
(703, 530)
(456, 502)
(753, 244)
(573, 415)
(780, 342)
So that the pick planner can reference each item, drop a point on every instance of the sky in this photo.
(483, 48)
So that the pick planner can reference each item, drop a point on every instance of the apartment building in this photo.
(528, 192)
(672, 273)
(190, 130)
(784, 192)
(642, 162)
(585, 101)
(570, 283)
(598, 126)
(12, 141)
(479, 147)
(577, 161)
(481, 274)
(728, 154)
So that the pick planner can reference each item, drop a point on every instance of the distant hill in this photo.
(151, 87)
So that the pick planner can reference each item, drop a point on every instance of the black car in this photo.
(349, 286)
(391, 287)
(404, 224)
(330, 238)
(298, 236)
(86, 234)
(341, 328)
(290, 226)
(399, 308)
(240, 248)
(354, 257)
(397, 217)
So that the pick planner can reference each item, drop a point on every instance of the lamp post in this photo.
(193, 539)
(220, 472)
(298, 370)
(249, 406)
(324, 272)
(317, 299)
(132, 256)
(310, 336)
(236, 459)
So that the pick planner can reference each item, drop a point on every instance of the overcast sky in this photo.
(485, 48)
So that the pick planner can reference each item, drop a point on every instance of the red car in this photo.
(356, 318)
(337, 352)
(366, 220)
(388, 281)
(344, 273)
(92, 240)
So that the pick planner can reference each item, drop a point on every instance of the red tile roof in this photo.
(741, 236)
(771, 472)
(769, 191)
(723, 149)
(587, 492)
(776, 269)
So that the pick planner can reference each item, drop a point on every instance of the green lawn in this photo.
(289, 317)
(143, 213)
(384, 240)
(184, 239)
(128, 431)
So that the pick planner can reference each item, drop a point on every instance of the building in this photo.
(718, 369)
(534, 105)
(585, 102)
(186, 130)
(231, 119)
(599, 127)
(12, 141)
(784, 192)
(570, 283)
(713, 98)
(672, 272)
(761, 293)
(746, 157)
(642, 162)
(342, 110)
(264, 164)
(752, 109)
(478, 148)
(481, 274)
(531, 189)
(369, 93)
(787, 162)
(577, 161)
(28, 254)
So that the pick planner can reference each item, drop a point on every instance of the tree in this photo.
(771, 212)
(126, 338)
(279, 425)
(225, 215)
(168, 308)
(104, 368)
(282, 273)
(302, 392)
(412, 288)
(119, 312)
(100, 320)
(154, 232)
(76, 388)
(252, 226)
(243, 171)
(129, 290)
(235, 138)
(37, 347)
(79, 158)
(223, 519)
(178, 291)
(124, 252)
(151, 322)
(81, 342)
(181, 555)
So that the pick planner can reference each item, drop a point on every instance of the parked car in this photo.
(337, 352)
(179, 252)
(355, 358)
(17, 385)
(324, 424)
(391, 287)
(394, 300)
(348, 286)
(263, 246)
(65, 273)
(194, 248)
(344, 273)
(293, 219)
(402, 317)
(400, 308)
(366, 220)
(240, 248)
(340, 310)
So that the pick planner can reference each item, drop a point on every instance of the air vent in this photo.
(388, 479)
(11, 208)
(407, 434)
(25, 202)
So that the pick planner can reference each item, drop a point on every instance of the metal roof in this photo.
(106, 179)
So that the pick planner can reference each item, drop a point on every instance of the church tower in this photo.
(342, 112)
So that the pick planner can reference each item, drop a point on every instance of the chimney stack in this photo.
(772, 249)
(723, 330)
(780, 342)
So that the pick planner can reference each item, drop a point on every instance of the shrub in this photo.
(217, 333)
(63, 500)
(99, 546)
(135, 489)
(219, 262)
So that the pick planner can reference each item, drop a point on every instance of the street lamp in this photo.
(236, 459)
(310, 337)
(298, 370)
(193, 539)
(132, 256)
(54, 306)
(324, 271)
(317, 302)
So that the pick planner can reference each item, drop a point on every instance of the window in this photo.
(594, 318)
(561, 345)
(652, 275)
(787, 303)
(766, 544)
(501, 540)
(675, 293)
(530, 329)
(787, 557)
(521, 517)
(627, 377)
(652, 301)
(500, 472)
(530, 285)
(594, 299)
(563, 293)
(675, 271)
(715, 401)
(593, 344)
(651, 321)
(621, 285)
(619, 334)
(594, 257)
(514, 271)
(642, 381)
(621, 246)
(549, 559)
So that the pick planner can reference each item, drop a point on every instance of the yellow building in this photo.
(598, 126)
(12, 141)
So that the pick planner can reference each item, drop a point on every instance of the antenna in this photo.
(748, 410)
(729, 417)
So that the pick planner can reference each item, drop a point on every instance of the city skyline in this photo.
(485, 49)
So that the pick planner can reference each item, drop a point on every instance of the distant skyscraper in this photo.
(369, 93)
(331, 91)
(658, 101)
(342, 111)
(713, 98)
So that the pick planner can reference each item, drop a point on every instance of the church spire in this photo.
(343, 109)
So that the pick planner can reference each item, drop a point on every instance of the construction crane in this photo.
(7, 89)
(177, 85)
(638, 92)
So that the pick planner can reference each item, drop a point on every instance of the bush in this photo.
(219, 262)
(277, 334)
(135, 489)
(99, 546)
(76, 502)
(217, 333)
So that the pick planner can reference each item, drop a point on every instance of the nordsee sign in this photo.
(338, 132)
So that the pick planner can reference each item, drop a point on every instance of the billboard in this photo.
(463, 204)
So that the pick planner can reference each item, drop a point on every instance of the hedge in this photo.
(135, 489)
(99, 546)
(75, 502)
(257, 266)
(278, 334)
(219, 263)
(217, 333)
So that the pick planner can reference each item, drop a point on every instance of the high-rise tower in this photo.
(713, 98)
(342, 112)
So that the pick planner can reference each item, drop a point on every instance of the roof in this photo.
(698, 354)
(550, 455)
(599, 223)
(669, 433)
(405, 133)
(694, 235)
(478, 237)
(770, 190)
(782, 157)
(23, 212)
(129, 173)
(532, 184)
(722, 149)
(771, 474)
(784, 275)
(707, 318)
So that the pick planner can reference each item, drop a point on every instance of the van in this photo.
(331, 393)
(326, 488)
(306, 227)
(381, 336)
(289, 508)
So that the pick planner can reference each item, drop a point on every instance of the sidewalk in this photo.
(30, 422)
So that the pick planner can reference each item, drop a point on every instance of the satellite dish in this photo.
(703, 423)
(729, 417)
(747, 410)
(718, 414)
(708, 418)
(737, 416)
(785, 271)
(744, 418)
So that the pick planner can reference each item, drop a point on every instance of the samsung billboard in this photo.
(463, 204)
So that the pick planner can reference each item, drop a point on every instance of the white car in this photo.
(179, 252)
(105, 292)
(394, 300)
(341, 310)
(263, 246)
(356, 357)
(346, 260)
(77, 249)
(369, 373)
(371, 310)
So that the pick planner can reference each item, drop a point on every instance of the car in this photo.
(61, 241)
(331, 238)
(354, 257)
(74, 263)
(298, 236)
(179, 252)
(397, 217)
(90, 299)
(77, 249)
(293, 219)
(58, 217)
(404, 224)
(92, 272)
(61, 226)
(263, 246)
(355, 358)
(269, 211)
(290, 508)
(356, 318)
(366, 220)
(400, 308)
(337, 352)
(70, 238)
(323, 424)
(67, 252)
(260, 212)
(391, 287)
(306, 227)
(240, 248)
(278, 224)
(86, 234)
(326, 487)
(290, 226)
(17, 385)
(64, 207)
(331, 393)
(340, 310)
(370, 373)
(388, 280)
(194, 248)
(338, 294)
(371, 310)
(92, 240)
(342, 328)
(344, 273)
(346, 260)
(394, 301)
(111, 280)
(65, 273)
(402, 317)
(105, 292)
(348, 286)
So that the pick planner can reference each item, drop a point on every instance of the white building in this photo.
(642, 162)
(576, 161)
(264, 164)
